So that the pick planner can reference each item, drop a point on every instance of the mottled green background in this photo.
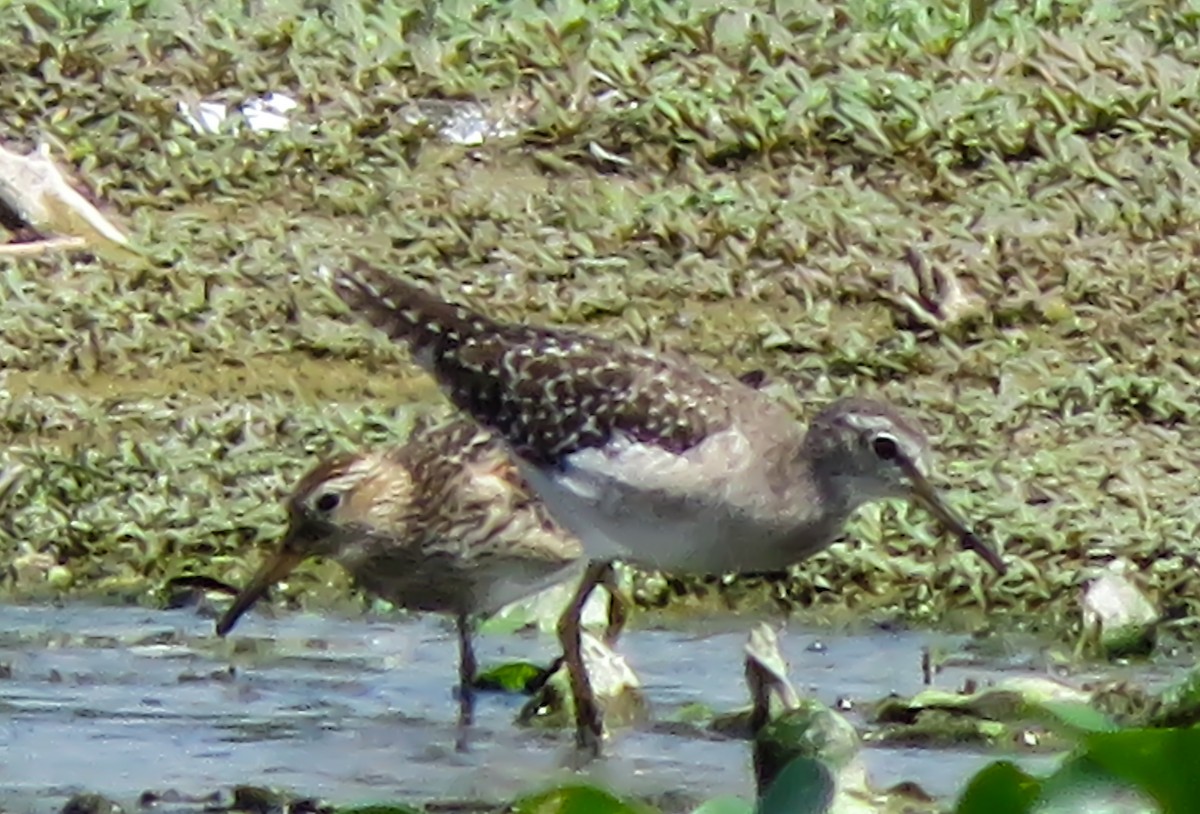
(987, 214)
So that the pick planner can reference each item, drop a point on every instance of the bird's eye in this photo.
(885, 447)
(327, 502)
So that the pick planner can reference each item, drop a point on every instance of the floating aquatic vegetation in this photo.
(617, 689)
(990, 218)
(1119, 620)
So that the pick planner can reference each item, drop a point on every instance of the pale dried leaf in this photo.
(35, 188)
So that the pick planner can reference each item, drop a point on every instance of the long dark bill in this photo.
(280, 564)
(924, 494)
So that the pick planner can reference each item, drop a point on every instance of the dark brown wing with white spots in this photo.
(547, 392)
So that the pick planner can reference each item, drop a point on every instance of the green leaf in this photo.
(577, 800)
(1162, 762)
(1001, 788)
(515, 676)
(379, 808)
(1078, 718)
(805, 786)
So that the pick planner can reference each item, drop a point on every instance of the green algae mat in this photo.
(984, 212)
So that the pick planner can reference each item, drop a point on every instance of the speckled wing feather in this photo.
(476, 537)
(547, 392)
(475, 500)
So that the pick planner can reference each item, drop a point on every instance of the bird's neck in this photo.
(821, 504)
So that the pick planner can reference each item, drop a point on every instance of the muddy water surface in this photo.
(122, 700)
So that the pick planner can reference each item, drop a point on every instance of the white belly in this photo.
(618, 527)
(665, 511)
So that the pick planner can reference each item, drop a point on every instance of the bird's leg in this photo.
(618, 608)
(466, 679)
(589, 728)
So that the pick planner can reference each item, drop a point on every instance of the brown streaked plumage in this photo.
(648, 457)
(443, 523)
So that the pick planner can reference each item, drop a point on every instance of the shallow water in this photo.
(122, 700)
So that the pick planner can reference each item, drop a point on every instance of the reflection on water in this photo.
(121, 700)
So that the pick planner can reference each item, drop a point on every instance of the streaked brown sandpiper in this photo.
(442, 523)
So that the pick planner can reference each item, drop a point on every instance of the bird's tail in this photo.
(427, 323)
